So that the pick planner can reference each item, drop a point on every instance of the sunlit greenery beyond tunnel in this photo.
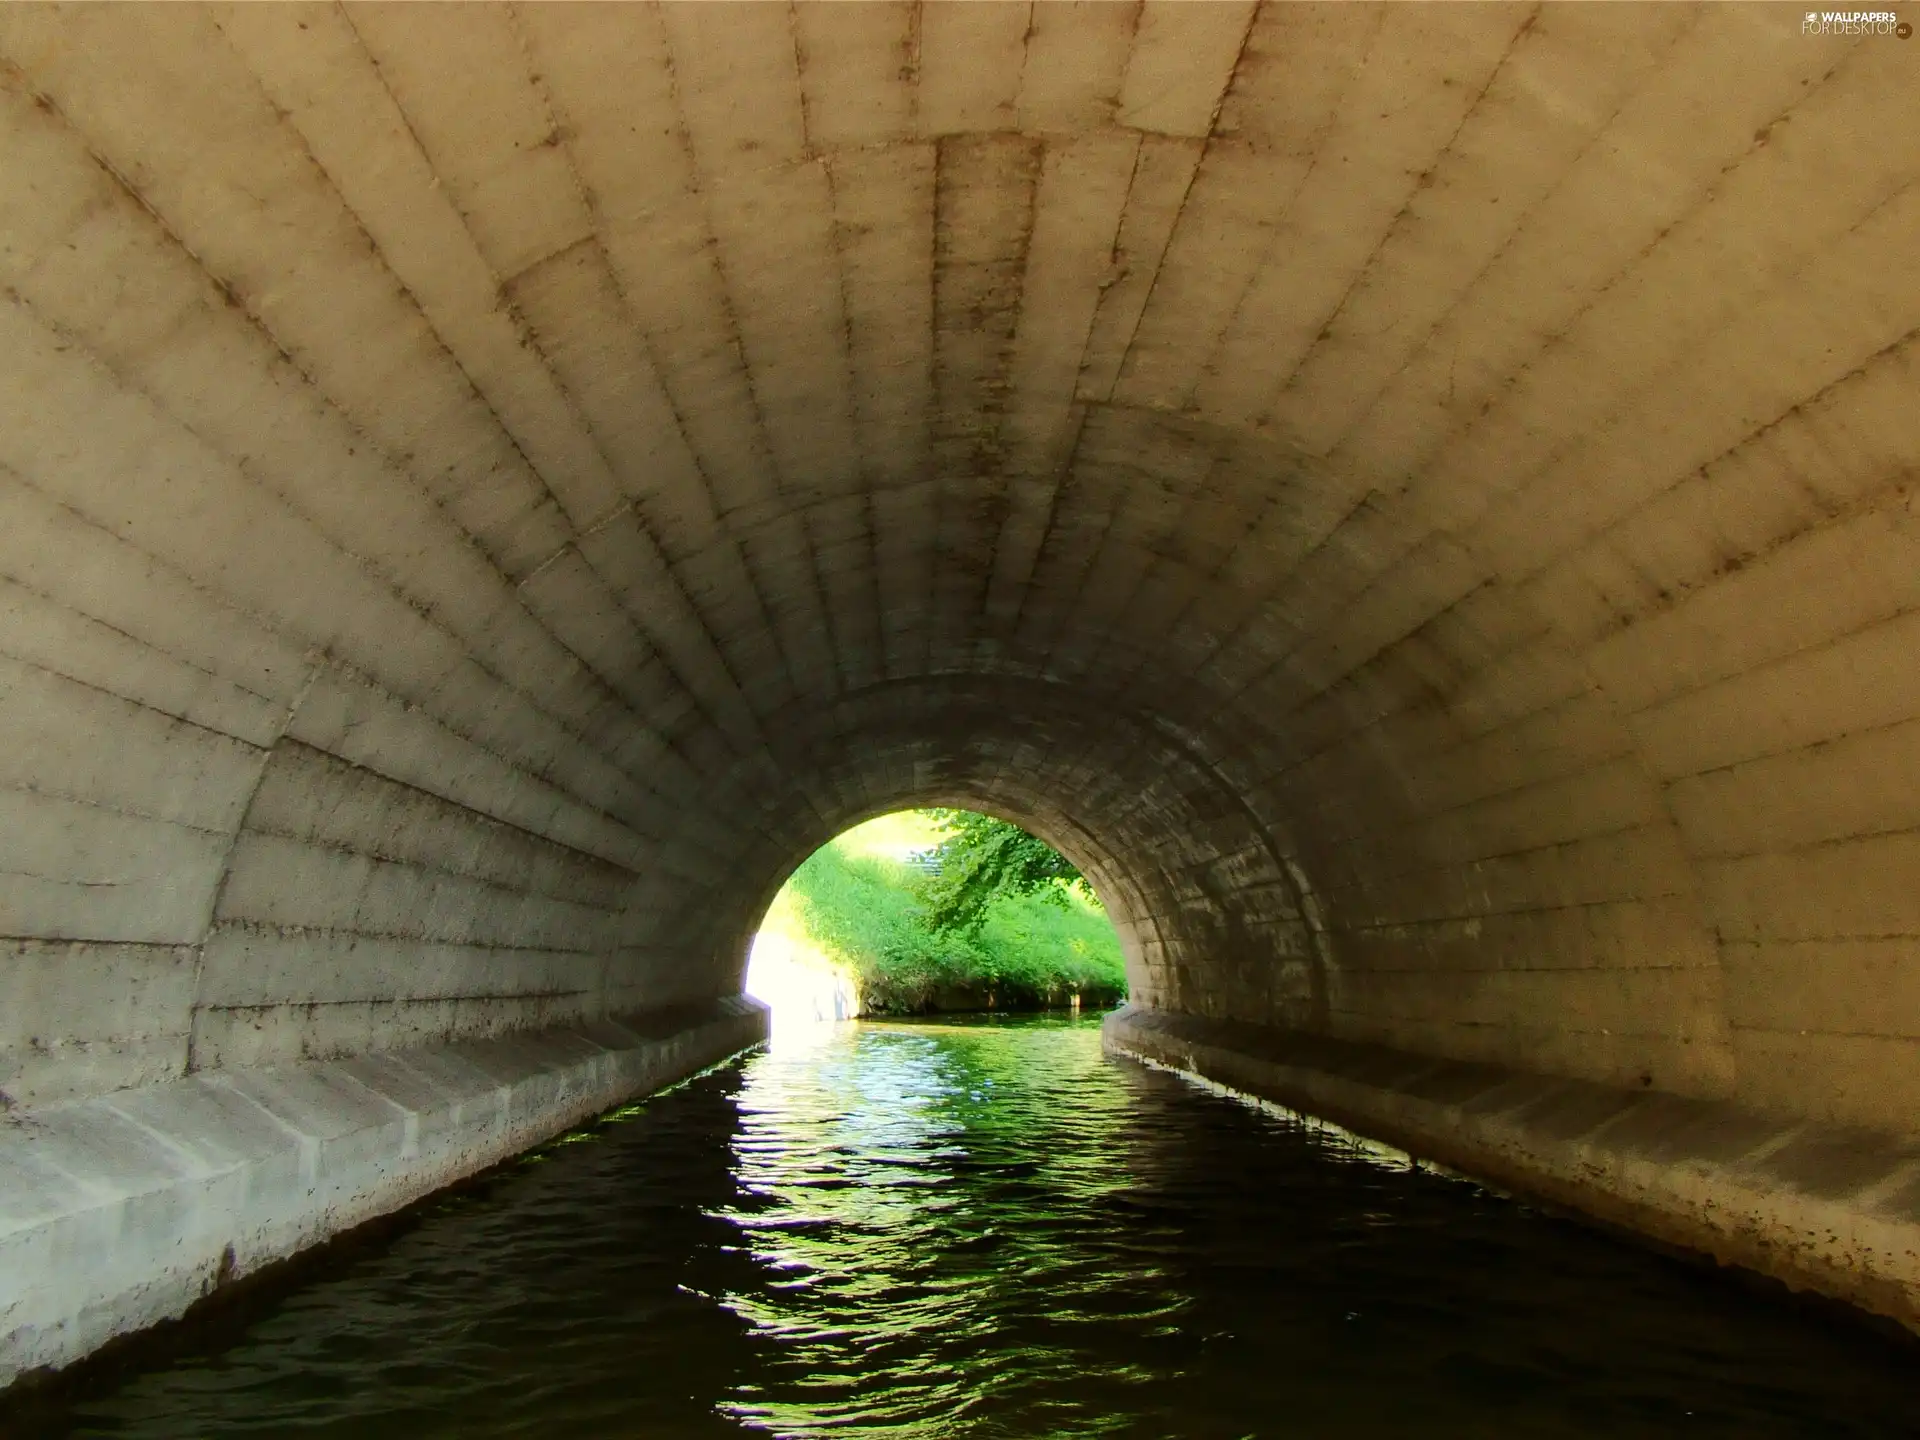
(935, 910)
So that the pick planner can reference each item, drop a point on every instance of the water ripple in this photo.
(973, 1230)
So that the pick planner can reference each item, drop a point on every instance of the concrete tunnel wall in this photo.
(1419, 501)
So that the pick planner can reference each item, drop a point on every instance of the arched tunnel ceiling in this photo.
(1421, 496)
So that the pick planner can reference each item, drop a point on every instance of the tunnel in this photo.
(1417, 502)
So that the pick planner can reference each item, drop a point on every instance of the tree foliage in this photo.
(980, 861)
(860, 903)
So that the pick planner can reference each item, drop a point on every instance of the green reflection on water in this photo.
(938, 1230)
(892, 1183)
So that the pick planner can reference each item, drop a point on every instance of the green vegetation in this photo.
(948, 910)
(980, 861)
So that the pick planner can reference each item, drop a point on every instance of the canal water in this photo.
(990, 1229)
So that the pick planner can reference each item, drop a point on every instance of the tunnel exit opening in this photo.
(934, 910)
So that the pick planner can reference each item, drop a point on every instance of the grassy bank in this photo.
(856, 905)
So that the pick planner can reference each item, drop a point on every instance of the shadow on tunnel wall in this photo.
(1210, 919)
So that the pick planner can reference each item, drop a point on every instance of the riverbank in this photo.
(980, 999)
(848, 935)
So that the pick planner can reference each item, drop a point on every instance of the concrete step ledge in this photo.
(120, 1211)
(1821, 1207)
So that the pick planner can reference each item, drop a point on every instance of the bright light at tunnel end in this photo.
(801, 988)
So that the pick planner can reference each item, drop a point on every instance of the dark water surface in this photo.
(926, 1230)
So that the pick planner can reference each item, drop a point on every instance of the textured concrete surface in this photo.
(117, 1213)
(1420, 502)
(1828, 1208)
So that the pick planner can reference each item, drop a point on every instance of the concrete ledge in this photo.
(1820, 1207)
(120, 1211)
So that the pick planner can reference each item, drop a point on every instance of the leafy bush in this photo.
(1023, 945)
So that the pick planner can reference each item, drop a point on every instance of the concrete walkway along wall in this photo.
(1419, 503)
